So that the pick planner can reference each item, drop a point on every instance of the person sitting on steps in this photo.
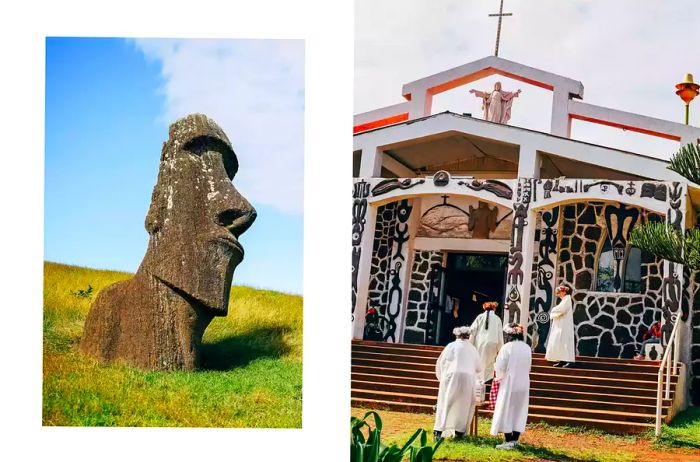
(653, 335)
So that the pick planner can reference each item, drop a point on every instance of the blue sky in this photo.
(108, 105)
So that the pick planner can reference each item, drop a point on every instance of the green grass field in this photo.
(542, 442)
(252, 374)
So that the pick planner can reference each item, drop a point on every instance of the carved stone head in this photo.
(196, 214)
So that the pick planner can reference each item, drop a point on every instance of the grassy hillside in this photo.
(252, 374)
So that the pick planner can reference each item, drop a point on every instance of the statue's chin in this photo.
(205, 279)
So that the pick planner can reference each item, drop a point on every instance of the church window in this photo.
(606, 268)
(631, 269)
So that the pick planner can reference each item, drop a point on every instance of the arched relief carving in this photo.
(463, 217)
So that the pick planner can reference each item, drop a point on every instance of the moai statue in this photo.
(156, 319)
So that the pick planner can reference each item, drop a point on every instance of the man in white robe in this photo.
(487, 337)
(458, 369)
(561, 345)
(513, 370)
(497, 104)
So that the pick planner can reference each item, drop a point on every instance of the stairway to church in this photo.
(614, 395)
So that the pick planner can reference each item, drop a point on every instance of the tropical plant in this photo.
(665, 241)
(87, 293)
(370, 449)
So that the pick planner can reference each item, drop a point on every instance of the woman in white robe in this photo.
(513, 370)
(561, 345)
(487, 337)
(457, 369)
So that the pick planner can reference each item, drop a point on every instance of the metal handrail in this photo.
(672, 345)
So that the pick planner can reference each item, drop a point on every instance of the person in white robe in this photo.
(457, 369)
(561, 344)
(487, 337)
(497, 104)
(513, 370)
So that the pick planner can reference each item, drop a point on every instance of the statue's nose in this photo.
(238, 217)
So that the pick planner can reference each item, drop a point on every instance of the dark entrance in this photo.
(468, 280)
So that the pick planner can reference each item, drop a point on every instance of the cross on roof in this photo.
(500, 15)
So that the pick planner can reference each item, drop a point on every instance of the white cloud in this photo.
(628, 55)
(254, 89)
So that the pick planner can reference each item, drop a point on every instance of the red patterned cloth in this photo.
(493, 394)
(654, 331)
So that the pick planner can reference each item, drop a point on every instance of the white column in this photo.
(561, 122)
(370, 162)
(529, 161)
(421, 105)
(362, 262)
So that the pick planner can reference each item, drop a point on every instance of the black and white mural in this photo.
(515, 278)
(544, 275)
(360, 194)
(390, 262)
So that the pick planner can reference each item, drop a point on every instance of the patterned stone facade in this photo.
(417, 310)
(695, 341)
(609, 324)
(381, 257)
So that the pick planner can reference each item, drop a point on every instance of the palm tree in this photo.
(665, 241)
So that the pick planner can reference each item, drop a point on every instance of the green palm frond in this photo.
(686, 162)
(668, 243)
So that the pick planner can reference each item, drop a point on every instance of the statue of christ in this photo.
(496, 104)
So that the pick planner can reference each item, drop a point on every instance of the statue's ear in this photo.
(156, 212)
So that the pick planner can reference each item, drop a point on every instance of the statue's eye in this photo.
(202, 144)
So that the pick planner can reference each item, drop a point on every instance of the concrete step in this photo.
(427, 395)
(609, 425)
(554, 381)
(430, 357)
(581, 368)
(430, 388)
(377, 361)
(611, 394)
(434, 351)
(542, 406)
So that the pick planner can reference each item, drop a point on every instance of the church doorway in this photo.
(470, 279)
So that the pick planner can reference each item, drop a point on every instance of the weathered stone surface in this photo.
(588, 347)
(622, 335)
(583, 280)
(605, 321)
(156, 319)
(623, 317)
(607, 347)
(580, 315)
(589, 330)
(444, 221)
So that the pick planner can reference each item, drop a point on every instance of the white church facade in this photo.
(451, 210)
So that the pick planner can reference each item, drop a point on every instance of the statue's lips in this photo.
(231, 241)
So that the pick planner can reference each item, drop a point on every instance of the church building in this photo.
(451, 210)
